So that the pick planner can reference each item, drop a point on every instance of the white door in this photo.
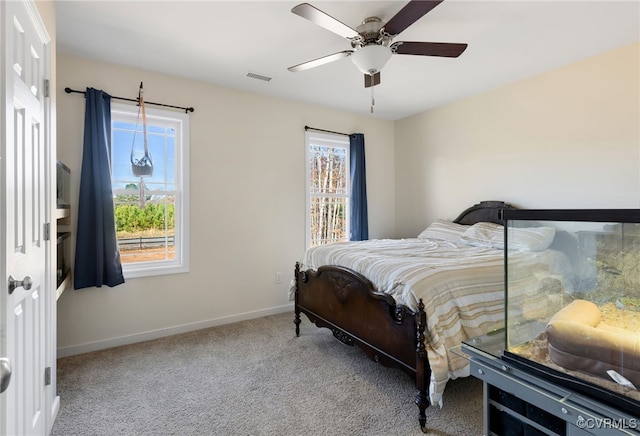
(24, 195)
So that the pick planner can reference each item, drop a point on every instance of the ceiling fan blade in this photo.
(408, 15)
(371, 80)
(320, 61)
(442, 49)
(315, 15)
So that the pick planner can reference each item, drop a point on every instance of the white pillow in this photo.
(491, 235)
(530, 238)
(484, 234)
(444, 231)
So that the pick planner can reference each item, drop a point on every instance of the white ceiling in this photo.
(220, 42)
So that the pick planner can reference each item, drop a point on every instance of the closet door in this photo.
(25, 193)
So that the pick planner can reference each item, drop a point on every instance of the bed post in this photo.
(296, 319)
(422, 396)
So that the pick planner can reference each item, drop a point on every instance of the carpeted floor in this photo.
(250, 378)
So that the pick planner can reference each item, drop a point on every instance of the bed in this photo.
(409, 315)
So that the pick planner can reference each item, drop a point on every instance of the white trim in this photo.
(55, 406)
(36, 19)
(148, 269)
(307, 191)
(181, 263)
(327, 140)
(170, 331)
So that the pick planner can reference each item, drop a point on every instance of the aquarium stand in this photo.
(517, 402)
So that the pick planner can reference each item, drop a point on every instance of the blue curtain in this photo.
(358, 220)
(97, 260)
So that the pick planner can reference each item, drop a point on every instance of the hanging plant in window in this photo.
(141, 162)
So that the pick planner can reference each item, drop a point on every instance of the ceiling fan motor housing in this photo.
(369, 33)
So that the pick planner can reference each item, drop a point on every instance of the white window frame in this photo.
(180, 263)
(328, 140)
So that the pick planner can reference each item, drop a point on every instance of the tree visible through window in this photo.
(150, 211)
(327, 188)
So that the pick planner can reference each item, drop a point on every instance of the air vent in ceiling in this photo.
(258, 76)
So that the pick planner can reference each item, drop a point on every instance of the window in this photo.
(328, 188)
(151, 212)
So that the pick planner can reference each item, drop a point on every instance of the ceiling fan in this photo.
(371, 41)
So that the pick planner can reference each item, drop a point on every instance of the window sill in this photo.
(150, 271)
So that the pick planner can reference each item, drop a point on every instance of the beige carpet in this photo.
(250, 378)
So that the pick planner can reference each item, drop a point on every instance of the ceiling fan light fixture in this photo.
(371, 58)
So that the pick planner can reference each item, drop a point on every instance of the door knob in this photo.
(5, 374)
(13, 284)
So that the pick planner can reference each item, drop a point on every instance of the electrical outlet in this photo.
(278, 278)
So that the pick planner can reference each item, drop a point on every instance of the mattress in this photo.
(461, 285)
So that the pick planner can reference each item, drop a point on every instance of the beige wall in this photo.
(247, 205)
(566, 138)
(569, 138)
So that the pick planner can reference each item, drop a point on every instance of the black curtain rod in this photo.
(326, 131)
(135, 100)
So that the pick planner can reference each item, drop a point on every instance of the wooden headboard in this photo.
(485, 211)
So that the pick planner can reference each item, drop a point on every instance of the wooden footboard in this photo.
(346, 303)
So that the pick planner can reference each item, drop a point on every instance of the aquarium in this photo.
(572, 300)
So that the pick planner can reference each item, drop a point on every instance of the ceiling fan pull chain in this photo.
(373, 100)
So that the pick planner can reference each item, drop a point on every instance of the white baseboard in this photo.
(156, 334)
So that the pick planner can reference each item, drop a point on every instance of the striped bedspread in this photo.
(462, 287)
